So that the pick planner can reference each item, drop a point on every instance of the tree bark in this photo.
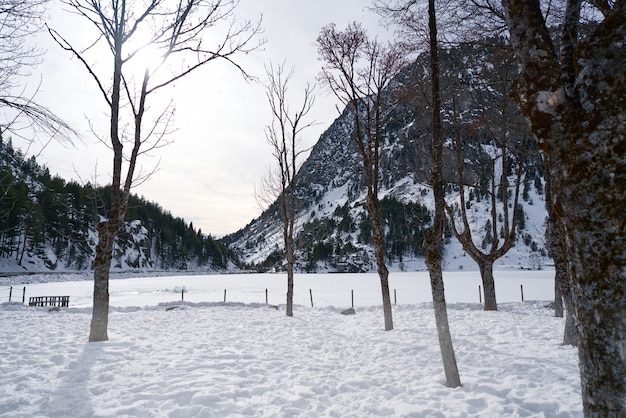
(107, 231)
(289, 291)
(379, 253)
(489, 285)
(570, 335)
(433, 240)
(290, 257)
(581, 126)
(562, 280)
(558, 299)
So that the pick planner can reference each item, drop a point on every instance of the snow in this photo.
(207, 358)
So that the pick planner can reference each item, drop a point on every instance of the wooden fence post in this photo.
(521, 287)
(24, 295)
(224, 295)
(10, 292)
(480, 295)
(311, 293)
(395, 299)
(182, 294)
(352, 292)
(266, 298)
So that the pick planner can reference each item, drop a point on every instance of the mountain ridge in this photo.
(331, 225)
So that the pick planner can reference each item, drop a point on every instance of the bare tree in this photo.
(283, 135)
(356, 69)
(575, 101)
(433, 240)
(407, 15)
(126, 29)
(21, 115)
(500, 232)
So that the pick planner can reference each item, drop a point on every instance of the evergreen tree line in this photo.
(47, 218)
(328, 240)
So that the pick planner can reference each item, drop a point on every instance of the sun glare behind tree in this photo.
(137, 34)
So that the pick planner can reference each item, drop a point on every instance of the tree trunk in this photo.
(570, 335)
(489, 285)
(290, 263)
(441, 318)
(433, 240)
(562, 277)
(555, 243)
(558, 299)
(379, 253)
(102, 264)
(582, 131)
(290, 291)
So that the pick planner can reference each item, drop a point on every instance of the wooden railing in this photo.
(60, 301)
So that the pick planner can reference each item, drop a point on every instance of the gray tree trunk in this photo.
(558, 299)
(290, 256)
(379, 253)
(580, 121)
(433, 240)
(108, 230)
(555, 241)
(489, 285)
(102, 264)
(570, 335)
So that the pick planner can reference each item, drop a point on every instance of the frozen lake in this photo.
(209, 359)
(327, 289)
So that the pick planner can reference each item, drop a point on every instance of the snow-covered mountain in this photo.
(48, 224)
(332, 226)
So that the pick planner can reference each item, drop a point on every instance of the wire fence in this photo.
(18, 294)
(12, 294)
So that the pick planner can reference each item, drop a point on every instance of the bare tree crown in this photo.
(183, 36)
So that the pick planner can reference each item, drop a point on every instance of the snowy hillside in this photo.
(332, 226)
(266, 235)
(48, 224)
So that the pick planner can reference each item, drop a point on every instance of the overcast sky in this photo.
(208, 174)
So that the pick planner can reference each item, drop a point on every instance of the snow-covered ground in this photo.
(207, 358)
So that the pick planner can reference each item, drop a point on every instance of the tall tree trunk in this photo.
(489, 285)
(562, 279)
(558, 299)
(581, 126)
(433, 240)
(570, 335)
(379, 253)
(443, 329)
(290, 263)
(107, 231)
(555, 240)
(289, 291)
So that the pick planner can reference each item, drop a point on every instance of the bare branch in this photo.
(66, 46)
